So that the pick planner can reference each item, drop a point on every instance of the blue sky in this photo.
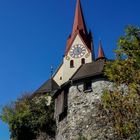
(33, 36)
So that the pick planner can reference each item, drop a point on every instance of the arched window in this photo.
(83, 61)
(71, 64)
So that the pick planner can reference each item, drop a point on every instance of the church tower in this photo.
(78, 48)
(77, 87)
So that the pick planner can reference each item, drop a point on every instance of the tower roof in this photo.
(89, 70)
(79, 22)
(101, 54)
(49, 86)
(79, 27)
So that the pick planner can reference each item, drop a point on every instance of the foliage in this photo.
(28, 117)
(123, 106)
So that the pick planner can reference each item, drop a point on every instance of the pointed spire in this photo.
(79, 23)
(101, 54)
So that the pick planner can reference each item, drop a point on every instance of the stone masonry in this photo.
(83, 114)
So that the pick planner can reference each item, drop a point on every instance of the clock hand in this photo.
(77, 50)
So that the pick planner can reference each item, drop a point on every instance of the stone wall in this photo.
(84, 115)
(44, 136)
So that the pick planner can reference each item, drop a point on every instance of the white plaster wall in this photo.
(67, 71)
(57, 76)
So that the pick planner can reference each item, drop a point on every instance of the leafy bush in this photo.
(27, 118)
(122, 106)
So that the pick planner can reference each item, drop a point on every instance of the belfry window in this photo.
(88, 86)
(71, 64)
(83, 61)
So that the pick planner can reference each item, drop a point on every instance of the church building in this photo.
(77, 85)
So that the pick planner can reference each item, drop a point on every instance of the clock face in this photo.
(77, 51)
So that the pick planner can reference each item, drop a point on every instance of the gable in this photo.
(78, 39)
(58, 75)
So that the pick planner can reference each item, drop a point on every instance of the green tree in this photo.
(123, 104)
(27, 117)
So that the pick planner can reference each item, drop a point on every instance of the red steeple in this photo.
(101, 54)
(79, 27)
(79, 23)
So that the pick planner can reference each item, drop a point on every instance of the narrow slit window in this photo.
(71, 64)
(83, 61)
